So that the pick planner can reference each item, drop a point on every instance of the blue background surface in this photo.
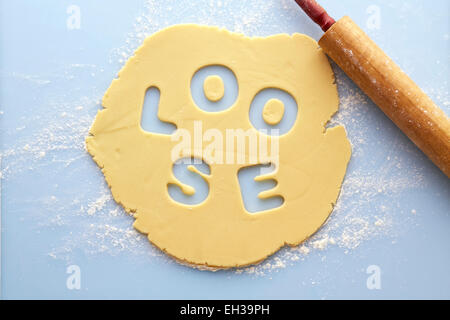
(394, 211)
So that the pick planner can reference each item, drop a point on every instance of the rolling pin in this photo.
(385, 83)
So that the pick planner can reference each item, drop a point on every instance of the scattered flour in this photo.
(248, 17)
(97, 205)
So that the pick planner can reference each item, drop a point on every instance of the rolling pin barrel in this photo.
(391, 89)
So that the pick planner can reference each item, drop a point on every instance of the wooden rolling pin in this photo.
(385, 83)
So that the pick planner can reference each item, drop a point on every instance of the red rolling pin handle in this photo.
(316, 13)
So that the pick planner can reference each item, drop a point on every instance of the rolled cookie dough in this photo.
(137, 165)
(214, 88)
(273, 111)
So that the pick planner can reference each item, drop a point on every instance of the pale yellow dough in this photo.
(273, 111)
(214, 88)
(137, 165)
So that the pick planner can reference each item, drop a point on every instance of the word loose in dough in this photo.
(310, 163)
